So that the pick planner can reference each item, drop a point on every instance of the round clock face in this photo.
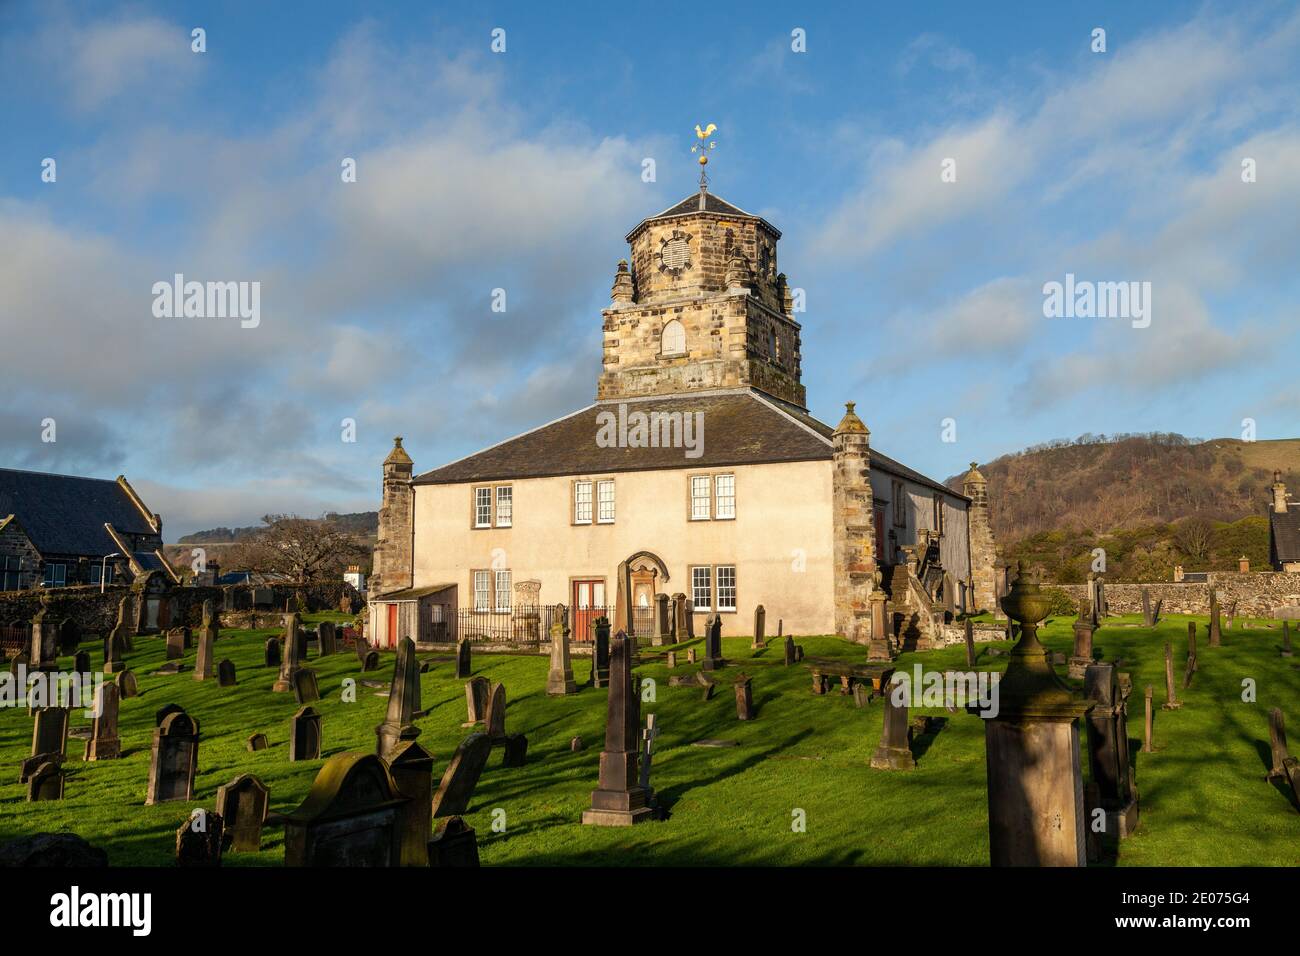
(675, 254)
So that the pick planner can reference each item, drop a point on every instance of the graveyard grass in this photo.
(1204, 799)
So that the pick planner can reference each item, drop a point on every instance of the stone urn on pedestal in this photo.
(1035, 784)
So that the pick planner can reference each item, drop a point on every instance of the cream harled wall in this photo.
(783, 521)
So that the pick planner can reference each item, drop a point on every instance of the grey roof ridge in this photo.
(57, 474)
(505, 441)
(759, 397)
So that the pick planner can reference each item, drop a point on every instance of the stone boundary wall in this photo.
(1258, 594)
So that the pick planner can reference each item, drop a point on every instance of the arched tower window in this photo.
(672, 341)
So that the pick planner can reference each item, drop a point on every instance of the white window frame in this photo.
(506, 493)
(708, 587)
(579, 504)
(681, 338)
(501, 585)
(706, 497)
(719, 513)
(51, 580)
(720, 589)
(482, 496)
(485, 603)
(605, 484)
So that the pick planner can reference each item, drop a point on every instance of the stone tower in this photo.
(983, 550)
(854, 535)
(393, 555)
(702, 306)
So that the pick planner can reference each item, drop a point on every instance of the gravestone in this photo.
(1155, 611)
(600, 653)
(104, 743)
(126, 685)
(680, 613)
(620, 800)
(351, 817)
(207, 635)
(744, 698)
(1191, 641)
(660, 626)
(44, 643)
(175, 644)
(412, 769)
(81, 662)
(291, 658)
(1216, 634)
(454, 844)
(241, 805)
(1232, 614)
(559, 680)
(1108, 756)
(690, 655)
(49, 739)
(399, 727)
(371, 662)
(789, 651)
(174, 759)
(1286, 639)
(1171, 695)
(1147, 748)
(226, 674)
(1148, 620)
(461, 776)
(117, 642)
(45, 782)
(648, 737)
(969, 635)
(271, 653)
(713, 645)
(476, 698)
(895, 750)
(1081, 657)
(494, 718)
(326, 638)
(69, 635)
(305, 735)
(760, 627)
(305, 688)
(1277, 744)
(672, 659)
(256, 742)
(463, 663)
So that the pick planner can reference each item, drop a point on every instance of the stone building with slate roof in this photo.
(697, 471)
(56, 530)
(1283, 529)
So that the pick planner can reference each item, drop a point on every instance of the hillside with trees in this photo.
(1152, 501)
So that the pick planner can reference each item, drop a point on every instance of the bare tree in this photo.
(1195, 536)
(302, 549)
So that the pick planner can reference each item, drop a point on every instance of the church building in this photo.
(697, 473)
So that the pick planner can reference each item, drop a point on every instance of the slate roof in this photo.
(712, 203)
(63, 514)
(1284, 533)
(741, 427)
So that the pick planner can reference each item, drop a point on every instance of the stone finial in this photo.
(739, 275)
(398, 455)
(623, 290)
(784, 293)
(973, 477)
(850, 423)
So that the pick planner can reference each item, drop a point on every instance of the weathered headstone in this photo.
(69, 635)
(175, 644)
(648, 737)
(476, 698)
(461, 776)
(1232, 614)
(174, 759)
(1081, 657)
(1171, 695)
(115, 645)
(271, 654)
(351, 817)
(412, 769)
(1150, 718)
(662, 621)
(1277, 744)
(895, 750)
(789, 651)
(453, 844)
(1108, 757)
(671, 659)
(127, 686)
(203, 664)
(494, 718)
(760, 627)
(305, 735)
(256, 742)
(619, 799)
(49, 737)
(559, 680)
(1286, 639)
(713, 645)
(226, 674)
(326, 638)
(1216, 634)
(291, 659)
(399, 727)
(241, 805)
(744, 697)
(463, 660)
(600, 653)
(1147, 619)
(969, 635)
(45, 782)
(104, 743)
(371, 662)
(305, 688)
(680, 613)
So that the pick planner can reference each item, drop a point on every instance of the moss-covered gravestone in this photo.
(305, 735)
(351, 817)
(242, 804)
(175, 757)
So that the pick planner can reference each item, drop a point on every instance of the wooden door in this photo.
(588, 604)
(392, 625)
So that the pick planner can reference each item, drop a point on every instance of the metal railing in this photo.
(528, 624)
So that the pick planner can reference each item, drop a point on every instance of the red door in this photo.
(392, 625)
(588, 604)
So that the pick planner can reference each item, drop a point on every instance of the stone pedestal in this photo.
(1081, 658)
(895, 750)
(878, 648)
(559, 680)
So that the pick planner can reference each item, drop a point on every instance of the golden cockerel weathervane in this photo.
(703, 147)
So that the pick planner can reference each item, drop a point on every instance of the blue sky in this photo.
(522, 170)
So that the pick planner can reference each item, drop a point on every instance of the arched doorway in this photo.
(640, 578)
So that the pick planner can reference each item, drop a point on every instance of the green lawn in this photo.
(1203, 797)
